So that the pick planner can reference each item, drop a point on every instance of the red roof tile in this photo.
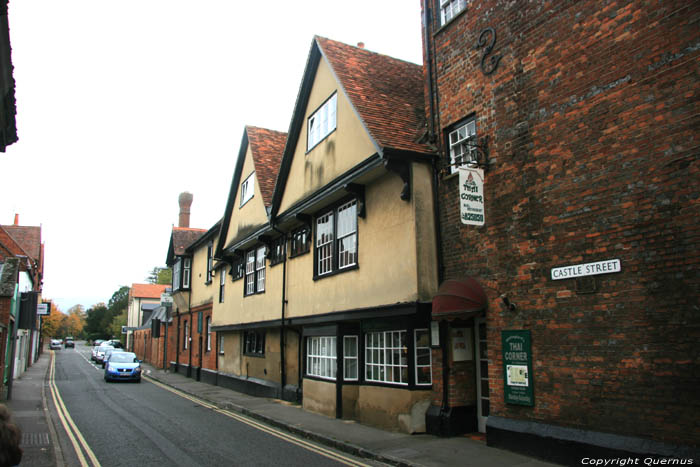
(9, 245)
(386, 92)
(182, 237)
(29, 238)
(147, 290)
(267, 147)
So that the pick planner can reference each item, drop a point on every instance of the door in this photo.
(482, 373)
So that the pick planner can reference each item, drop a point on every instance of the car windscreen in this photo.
(123, 357)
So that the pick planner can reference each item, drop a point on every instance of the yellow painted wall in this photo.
(319, 397)
(268, 367)
(252, 213)
(343, 149)
(238, 309)
(230, 361)
(201, 292)
(387, 260)
(426, 242)
(392, 408)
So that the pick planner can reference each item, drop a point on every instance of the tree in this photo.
(117, 323)
(51, 324)
(160, 276)
(75, 321)
(96, 322)
(119, 300)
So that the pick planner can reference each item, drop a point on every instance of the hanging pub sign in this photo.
(471, 195)
(517, 368)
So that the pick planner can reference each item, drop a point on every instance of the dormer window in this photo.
(451, 8)
(322, 122)
(462, 141)
(186, 272)
(247, 189)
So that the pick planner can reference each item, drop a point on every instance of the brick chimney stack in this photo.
(185, 200)
(361, 45)
(16, 219)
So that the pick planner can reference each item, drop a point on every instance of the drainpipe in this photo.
(283, 340)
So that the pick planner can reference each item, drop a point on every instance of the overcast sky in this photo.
(122, 105)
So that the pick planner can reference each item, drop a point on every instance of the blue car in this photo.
(123, 366)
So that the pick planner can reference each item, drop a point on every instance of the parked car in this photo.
(123, 366)
(68, 342)
(55, 344)
(108, 353)
(116, 343)
(100, 353)
(97, 342)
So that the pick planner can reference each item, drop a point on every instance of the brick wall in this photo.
(592, 118)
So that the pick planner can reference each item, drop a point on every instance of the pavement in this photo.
(42, 435)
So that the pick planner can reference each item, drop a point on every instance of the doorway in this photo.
(482, 373)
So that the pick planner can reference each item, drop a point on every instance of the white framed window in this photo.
(250, 273)
(347, 235)
(221, 344)
(321, 357)
(386, 357)
(450, 8)
(260, 269)
(186, 272)
(254, 343)
(247, 189)
(350, 358)
(322, 122)
(324, 243)
(186, 339)
(336, 239)
(462, 140)
(176, 274)
(210, 262)
(222, 284)
(209, 333)
(423, 357)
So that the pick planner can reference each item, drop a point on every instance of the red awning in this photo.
(459, 298)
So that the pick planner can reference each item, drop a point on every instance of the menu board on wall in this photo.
(517, 367)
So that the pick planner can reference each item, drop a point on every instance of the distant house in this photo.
(143, 299)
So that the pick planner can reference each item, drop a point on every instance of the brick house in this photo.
(144, 299)
(582, 119)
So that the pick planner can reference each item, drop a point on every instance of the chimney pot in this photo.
(185, 201)
(361, 45)
(16, 219)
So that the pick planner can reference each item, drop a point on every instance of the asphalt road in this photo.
(130, 424)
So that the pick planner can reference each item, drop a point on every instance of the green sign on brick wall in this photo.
(517, 367)
(199, 322)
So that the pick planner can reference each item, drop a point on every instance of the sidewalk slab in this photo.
(349, 436)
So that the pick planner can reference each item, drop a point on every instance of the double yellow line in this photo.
(76, 438)
(279, 434)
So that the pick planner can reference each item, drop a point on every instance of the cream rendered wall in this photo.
(201, 292)
(253, 212)
(426, 241)
(230, 361)
(238, 309)
(387, 260)
(343, 149)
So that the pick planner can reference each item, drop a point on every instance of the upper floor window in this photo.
(210, 262)
(336, 239)
(462, 140)
(322, 122)
(301, 241)
(255, 271)
(222, 284)
(247, 188)
(450, 8)
(278, 250)
(186, 272)
(177, 268)
(238, 268)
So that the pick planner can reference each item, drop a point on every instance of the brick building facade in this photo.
(584, 118)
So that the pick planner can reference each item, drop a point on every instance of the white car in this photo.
(56, 344)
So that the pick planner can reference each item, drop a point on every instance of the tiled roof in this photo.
(267, 147)
(385, 91)
(184, 237)
(29, 238)
(147, 290)
(8, 245)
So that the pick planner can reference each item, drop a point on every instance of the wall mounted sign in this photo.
(517, 368)
(588, 269)
(43, 309)
(462, 346)
(471, 196)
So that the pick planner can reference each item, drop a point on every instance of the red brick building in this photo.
(582, 119)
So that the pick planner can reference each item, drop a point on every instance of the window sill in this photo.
(256, 355)
(335, 273)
